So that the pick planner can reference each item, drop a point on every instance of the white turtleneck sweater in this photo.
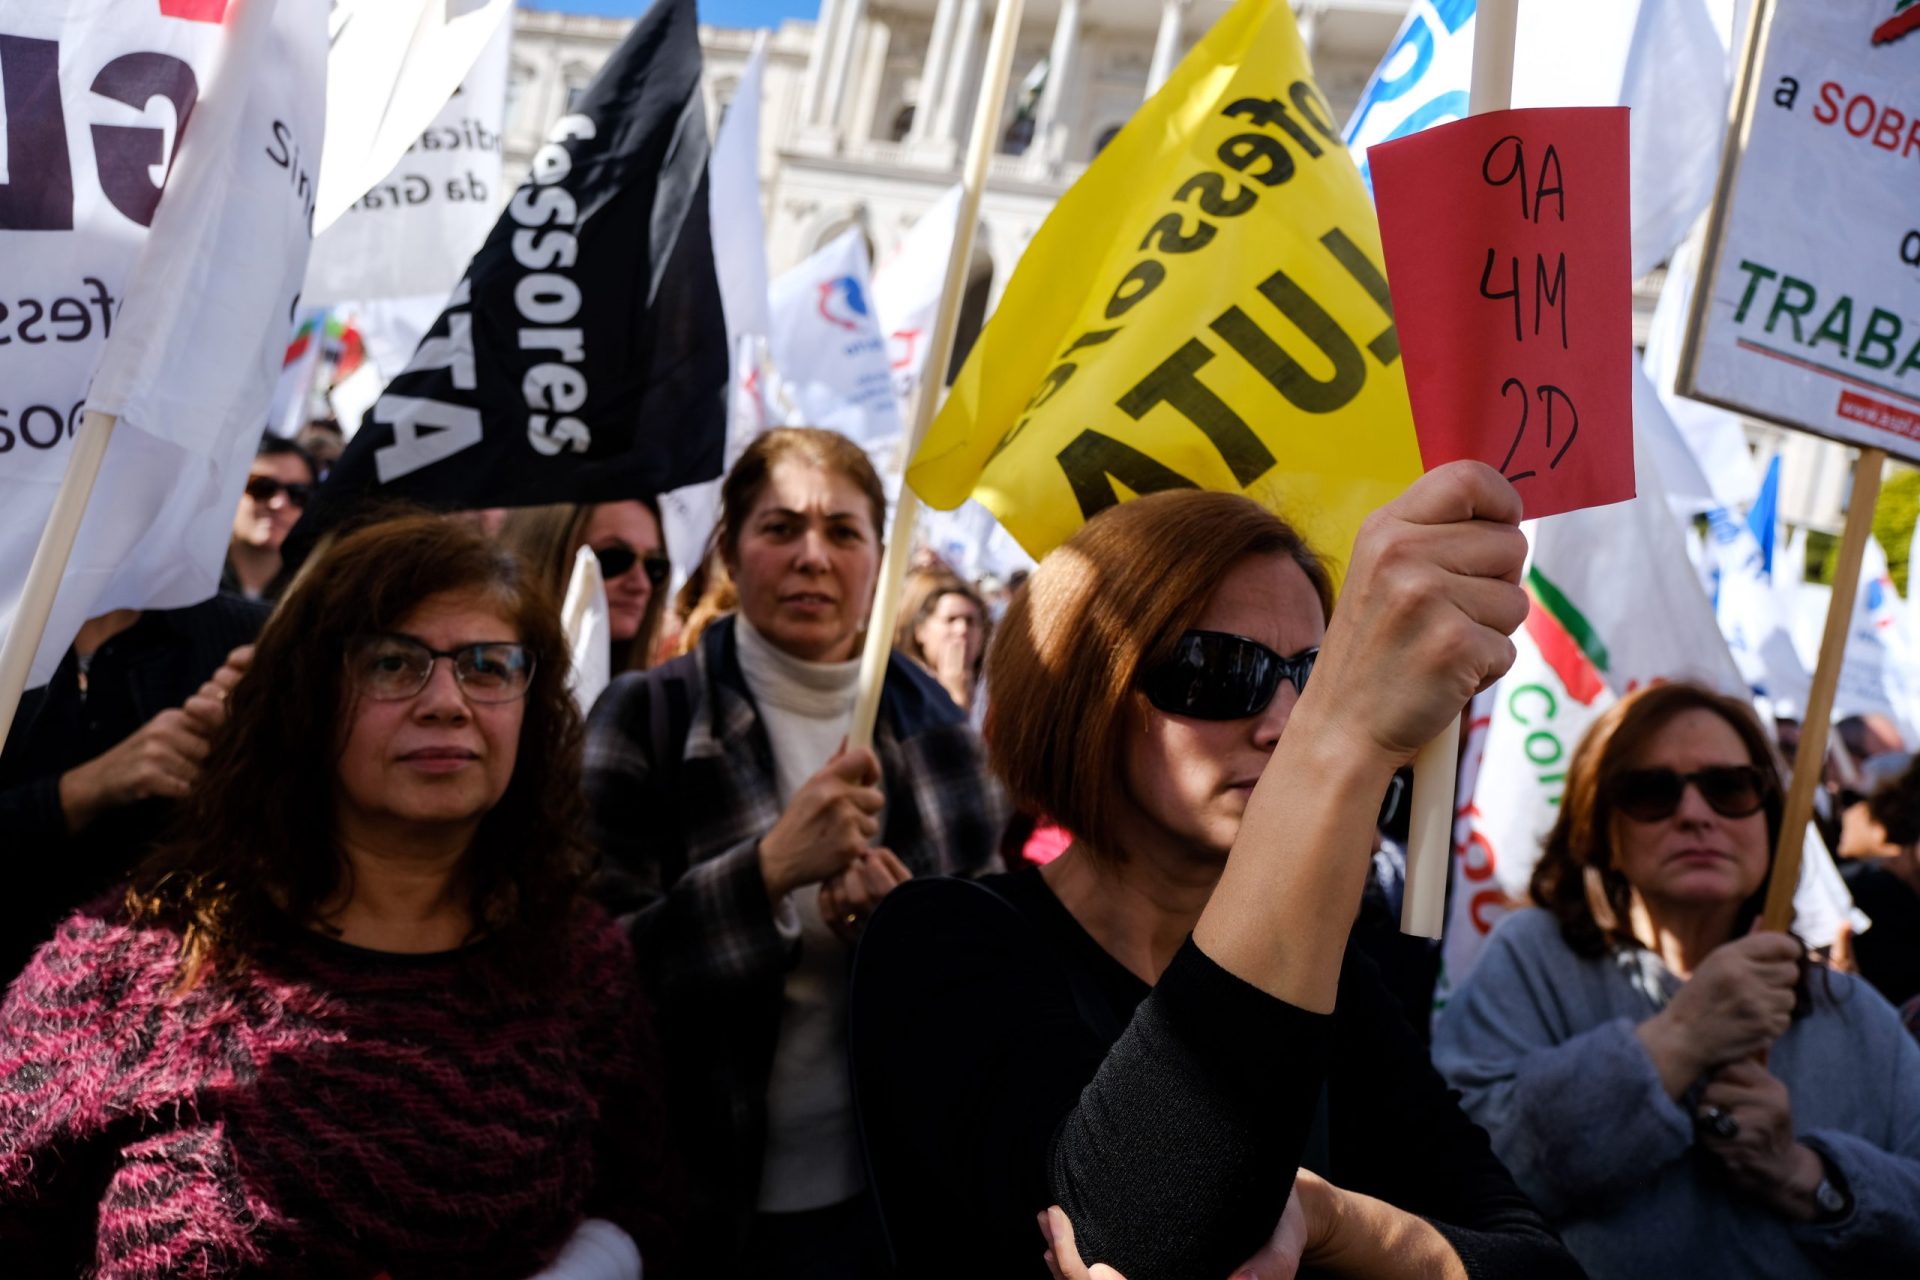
(813, 1146)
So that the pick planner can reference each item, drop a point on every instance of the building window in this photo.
(902, 124)
(1107, 135)
(517, 81)
(1018, 137)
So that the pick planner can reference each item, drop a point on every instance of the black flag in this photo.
(583, 357)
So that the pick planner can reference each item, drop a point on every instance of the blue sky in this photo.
(726, 13)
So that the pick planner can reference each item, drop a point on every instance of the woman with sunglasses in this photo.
(748, 845)
(1158, 1028)
(279, 484)
(1665, 1081)
(625, 538)
(356, 1019)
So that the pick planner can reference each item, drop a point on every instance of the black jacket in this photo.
(154, 665)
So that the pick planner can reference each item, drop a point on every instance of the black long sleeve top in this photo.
(153, 666)
(1004, 1061)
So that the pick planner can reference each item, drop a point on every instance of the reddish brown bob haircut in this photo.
(1109, 602)
(256, 851)
(1576, 878)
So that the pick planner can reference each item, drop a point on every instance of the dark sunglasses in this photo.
(1653, 795)
(1216, 676)
(263, 489)
(618, 560)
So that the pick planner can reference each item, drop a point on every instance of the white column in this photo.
(1306, 16)
(1066, 38)
(961, 72)
(933, 75)
(816, 83)
(860, 125)
(833, 102)
(1166, 45)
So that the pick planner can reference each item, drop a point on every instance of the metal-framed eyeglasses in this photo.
(390, 668)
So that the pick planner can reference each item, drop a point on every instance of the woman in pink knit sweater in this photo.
(354, 1021)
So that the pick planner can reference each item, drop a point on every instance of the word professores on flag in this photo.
(583, 356)
(1205, 308)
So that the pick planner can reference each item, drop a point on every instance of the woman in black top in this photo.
(1163, 1088)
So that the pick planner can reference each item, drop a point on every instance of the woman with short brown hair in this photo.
(1665, 1081)
(1158, 1028)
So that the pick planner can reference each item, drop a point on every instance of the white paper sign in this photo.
(1813, 319)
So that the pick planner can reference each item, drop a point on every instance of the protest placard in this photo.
(1808, 313)
(1513, 297)
(1811, 314)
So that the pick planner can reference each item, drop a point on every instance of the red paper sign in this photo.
(1507, 246)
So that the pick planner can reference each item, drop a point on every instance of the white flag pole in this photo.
(50, 562)
(906, 512)
(1423, 908)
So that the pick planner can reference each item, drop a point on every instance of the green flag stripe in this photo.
(1555, 602)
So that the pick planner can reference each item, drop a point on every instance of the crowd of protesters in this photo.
(343, 941)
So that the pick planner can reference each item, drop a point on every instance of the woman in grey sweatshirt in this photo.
(1681, 1095)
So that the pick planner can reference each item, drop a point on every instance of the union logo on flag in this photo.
(1904, 22)
(195, 10)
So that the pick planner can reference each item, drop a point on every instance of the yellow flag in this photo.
(1205, 308)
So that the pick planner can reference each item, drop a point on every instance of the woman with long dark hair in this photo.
(355, 1018)
(626, 539)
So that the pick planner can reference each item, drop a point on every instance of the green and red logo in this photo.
(1904, 22)
(1566, 640)
(195, 10)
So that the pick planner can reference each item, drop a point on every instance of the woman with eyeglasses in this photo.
(279, 484)
(356, 1018)
(625, 538)
(1155, 1030)
(747, 845)
(1665, 1081)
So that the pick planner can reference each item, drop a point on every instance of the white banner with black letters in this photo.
(95, 96)
(414, 231)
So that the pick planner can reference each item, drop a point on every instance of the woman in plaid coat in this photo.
(746, 847)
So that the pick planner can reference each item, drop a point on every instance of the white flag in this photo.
(416, 228)
(1723, 474)
(198, 340)
(688, 515)
(1663, 58)
(1423, 80)
(829, 351)
(589, 630)
(392, 67)
(1616, 605)
(1748, 611)
(906, 292)
(1875, 676)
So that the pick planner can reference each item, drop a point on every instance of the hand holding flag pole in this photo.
(906, 512)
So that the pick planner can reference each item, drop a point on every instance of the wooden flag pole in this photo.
(1423, 906)
(1812, 751)
(50, 562)
(906, 512)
